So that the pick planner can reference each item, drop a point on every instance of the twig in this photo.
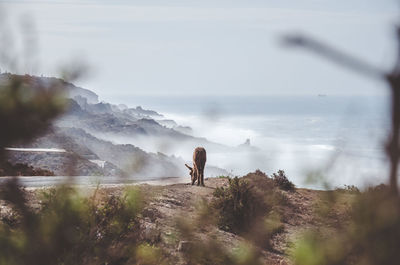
(393, 79)
(334, 55)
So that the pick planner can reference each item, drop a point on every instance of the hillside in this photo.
(85, 131)
(166, 207)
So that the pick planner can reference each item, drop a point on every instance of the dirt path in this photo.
(180, 200)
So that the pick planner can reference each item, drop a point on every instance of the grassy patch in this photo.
(282, 181)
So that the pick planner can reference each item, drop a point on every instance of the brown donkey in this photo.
(199, 161)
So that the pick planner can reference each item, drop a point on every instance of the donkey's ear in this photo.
(188, 167)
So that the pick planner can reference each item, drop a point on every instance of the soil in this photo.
(165, 205)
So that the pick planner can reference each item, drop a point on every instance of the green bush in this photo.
(27, 107)
(250, 206)
(282, 181)
(370, 238)
(238, 206)
(69, 229)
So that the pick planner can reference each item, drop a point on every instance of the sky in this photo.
(208, 47)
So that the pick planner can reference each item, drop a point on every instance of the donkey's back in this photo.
(199, 158)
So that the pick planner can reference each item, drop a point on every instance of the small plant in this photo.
(149, 255)
(282, 181)
(349, 189)
(237, 205)
(249, 206)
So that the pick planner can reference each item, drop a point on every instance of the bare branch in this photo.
(335, 55)
(355, 64)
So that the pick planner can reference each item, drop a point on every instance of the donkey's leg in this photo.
(202, 177)
(198, 176)
(194, 177)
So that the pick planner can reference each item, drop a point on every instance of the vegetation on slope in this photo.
(370, 235)
(250, 206)
(8, 169)
(69, 228)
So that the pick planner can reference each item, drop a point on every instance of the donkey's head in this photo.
(192, 173)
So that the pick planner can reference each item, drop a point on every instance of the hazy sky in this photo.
(207, 47)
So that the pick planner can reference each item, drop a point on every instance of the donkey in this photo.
(199, 161)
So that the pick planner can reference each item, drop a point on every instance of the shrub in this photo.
(349, 189)
(371, 237)
(27, 107)
(250, 206)
(69, 229)
(238, 206)
(282, 181)
(200, 248)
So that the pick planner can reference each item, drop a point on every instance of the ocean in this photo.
(319, 141)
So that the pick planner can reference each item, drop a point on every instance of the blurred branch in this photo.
(392, 78)
(334, 55)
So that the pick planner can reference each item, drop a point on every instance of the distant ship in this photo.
(322, 95)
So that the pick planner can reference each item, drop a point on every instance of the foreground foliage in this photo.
(27, 108)
(371, 236)
(69, 228)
